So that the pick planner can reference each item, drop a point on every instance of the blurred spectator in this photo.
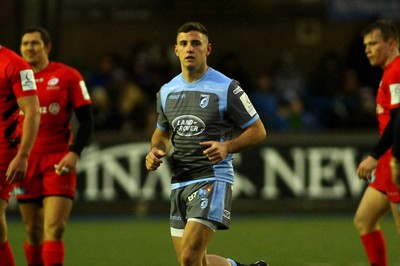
(355, 104)
(118, 103)
(230, 65)
(110, 68)
(100, 83)
(325, 82)
(148, 68)
(288, 80)
(265, 101)
(291, 88)
(132, 107)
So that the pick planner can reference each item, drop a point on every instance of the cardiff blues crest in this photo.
(204, 100)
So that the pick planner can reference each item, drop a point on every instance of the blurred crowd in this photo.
(336, 96)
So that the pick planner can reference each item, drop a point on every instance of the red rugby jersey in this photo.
(61, 89)
(16, 80)
(388, 96)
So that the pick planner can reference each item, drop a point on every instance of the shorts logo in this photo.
(204, 191)
(204, 100)
(175, 218)
(227, 214)
(192, 196)
(204, 203)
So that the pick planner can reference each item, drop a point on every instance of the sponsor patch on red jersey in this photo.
(394, 93)
(27, 80)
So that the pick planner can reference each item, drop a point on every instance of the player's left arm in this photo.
(243, 114)
(250, 137)
(84, 131)
(29, 105)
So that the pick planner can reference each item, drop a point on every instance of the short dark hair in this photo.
(43, 32)
(387, 27)
(193, 26)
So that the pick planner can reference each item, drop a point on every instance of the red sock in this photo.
(375, 247)
(7, 258)
(53, 253)
(33, 255)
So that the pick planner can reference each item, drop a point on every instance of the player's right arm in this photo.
(29, 105)
(160, 147)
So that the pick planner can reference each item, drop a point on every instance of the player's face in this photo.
(33, 49)
(376, 48)
(192, 49)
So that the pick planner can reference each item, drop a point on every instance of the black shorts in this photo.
(210, 201)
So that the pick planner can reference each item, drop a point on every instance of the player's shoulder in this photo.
(173, 83)
(9, 57)
(392, 71)
(64, 68)
(60, 65)
(217, 80)
(217, 76)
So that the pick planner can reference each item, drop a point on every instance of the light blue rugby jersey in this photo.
(208, 109)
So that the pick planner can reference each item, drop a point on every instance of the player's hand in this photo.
(67, 164)
(395, 171)
(366, 167)
(153, 159)
(17, 169)
(216, 151)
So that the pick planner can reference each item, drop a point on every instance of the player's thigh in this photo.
(56, 210)
(176, 242)
(31, 212)
(196, 236)
(373, 205)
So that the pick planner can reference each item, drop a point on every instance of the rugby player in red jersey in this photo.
(45, 197)
(381, 40)
(17, 92)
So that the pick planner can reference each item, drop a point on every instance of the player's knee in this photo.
(55, 231)
(357, 222)
(360, 224)
(189, 256)
(34, 233)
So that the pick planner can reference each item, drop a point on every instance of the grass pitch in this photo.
(282, 240)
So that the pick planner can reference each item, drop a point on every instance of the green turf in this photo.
(305, 240)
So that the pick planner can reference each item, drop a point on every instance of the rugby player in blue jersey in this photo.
(198, 112)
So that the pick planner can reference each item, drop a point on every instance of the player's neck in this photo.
(40, 66)
(193, 75)
(390, 58)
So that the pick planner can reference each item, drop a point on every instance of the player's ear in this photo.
(209, 48)
(176, 50)
(393, 43)
(48, 47)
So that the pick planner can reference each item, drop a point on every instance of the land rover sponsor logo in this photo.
(188, 125)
